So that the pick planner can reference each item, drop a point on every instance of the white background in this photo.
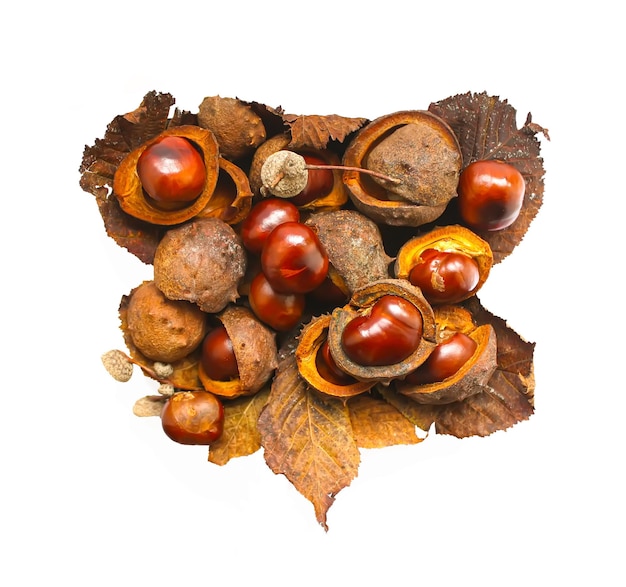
(91, 495)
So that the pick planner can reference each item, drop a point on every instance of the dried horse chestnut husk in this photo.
(354, 246)
(335, 197)
(162, 329)
(232, 197)
(311, 339)
(442, 287)
(414, 147)
(135, 201)
(361, 304)
(469, 379)
(202, 262)
(254, 346)
(237, 128)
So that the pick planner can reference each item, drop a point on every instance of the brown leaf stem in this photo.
(357, 169)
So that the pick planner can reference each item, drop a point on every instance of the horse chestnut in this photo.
(389, 334)
(293, 259)
(445, 360)
(218, 357)
(280, 311)
(491, 194)
(193, 417)
(264, 217)
(445, 277)
(172, 171)
(319, 183)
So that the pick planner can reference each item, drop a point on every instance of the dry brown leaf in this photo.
(376, 423)
(241, 436)
(316, 132)
(307, 439)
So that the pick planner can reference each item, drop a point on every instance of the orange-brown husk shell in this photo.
(354, 247)
(311, 338)
(371, 196)
(453, 238)
(361, 302)
(202, 261)
(473, 376)
(232, 197)
(237, 128)
(255, 350)
(131, 196)
(334, 200)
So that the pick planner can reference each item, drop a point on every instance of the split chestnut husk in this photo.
(354, 246)
(361, 304)
(134, 200)
(448, 239)
(255, 350)
(312, 337)
(475, 373)
(232, 198)
(416, 148)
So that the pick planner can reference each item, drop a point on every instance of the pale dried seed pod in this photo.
(117, 365)
(284, 174)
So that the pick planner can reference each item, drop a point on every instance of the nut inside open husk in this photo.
(453, 238)
(134, 201)
(311, 339)
(473, 376)
(415, 147)
(255, 349)
(361, 302)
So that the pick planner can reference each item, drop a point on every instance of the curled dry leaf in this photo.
(308, 439)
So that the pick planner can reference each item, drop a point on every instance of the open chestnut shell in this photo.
(418, 149)
(312, 337)
(255, 350)
(447, 239)
(360, 304)
(132, 198)
(475, 373)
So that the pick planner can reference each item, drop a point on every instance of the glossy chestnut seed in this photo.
(264, 217)
(193, 417)
(218, 357)
(491, 194)
(293, 259)
(328, 369)
(172, 171)
(389, 334)
(279, 311)
(319, 184)
(445, 277)
(445, 360)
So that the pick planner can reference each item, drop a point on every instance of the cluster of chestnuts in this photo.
(343, 249)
